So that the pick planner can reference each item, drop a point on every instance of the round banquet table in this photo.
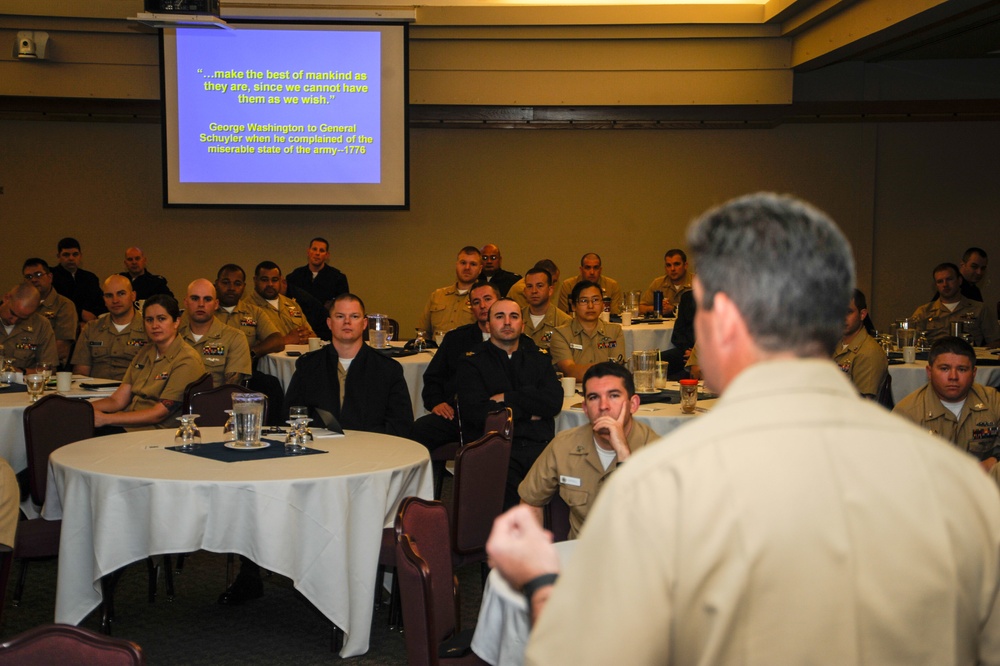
(316, 519)
(282, 366)
(640, 337)
(12, 406)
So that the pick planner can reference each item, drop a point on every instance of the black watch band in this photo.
(537, 583)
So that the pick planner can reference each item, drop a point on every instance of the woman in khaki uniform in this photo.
(153, 387)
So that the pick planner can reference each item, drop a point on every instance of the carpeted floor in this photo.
(281, 627)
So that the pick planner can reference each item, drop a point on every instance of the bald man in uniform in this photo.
(144, 283)
(107, 346)
(493, 271)
(224, 349)
(25, 335)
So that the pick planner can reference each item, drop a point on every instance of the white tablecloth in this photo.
(12, 407)
(282, 366)
(503, 626)
(661, 417)
(639, 337)
(316, 519)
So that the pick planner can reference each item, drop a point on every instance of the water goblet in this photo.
(46, 369)
(187, 436)
(35, 384)
(229, 429)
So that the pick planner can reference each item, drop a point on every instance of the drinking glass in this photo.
(45, 369)
(187, 436)
(644, 370)
(229, 429)
(689, 395)
(248, 412)
(35, 384)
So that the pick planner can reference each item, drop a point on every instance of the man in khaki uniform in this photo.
(577, 462)
(858, 354)
(516, 291)
(448, 307)
(590, 270)
(936, 317)
(10, 499)
(107, 346)
(284, 312)
(675, 281)
(587, 339)
(224, 349)
(25, 335)
(793, 503)
(541, 317)
(953, 406)
(255, 324)
(55, 307)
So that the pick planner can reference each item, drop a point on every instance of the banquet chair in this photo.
(211, 404)
(427, 592)
(499, 424)
(63, 643)
(50, 423)
(884, 395)
(203, 383)
(501, 421)
(480, 480)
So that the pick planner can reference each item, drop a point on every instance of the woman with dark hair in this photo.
(152, 390)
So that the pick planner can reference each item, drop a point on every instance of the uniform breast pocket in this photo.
(574, 496)
(98, 352)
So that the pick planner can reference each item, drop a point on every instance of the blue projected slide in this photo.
(279, 106)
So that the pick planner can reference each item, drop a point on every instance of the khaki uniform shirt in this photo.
(224, 350)
(30, 342)
(608, 286)
(671, 292)
(251, 319)
(61, 314)
(155, 380)
(936, 319)
(446, 310)
(572, 343)
(286, 317)
(105, 350)
(571, 466)
(10, 501)
(542, 334)
(795, 523)
(864, 362)
(975, 430)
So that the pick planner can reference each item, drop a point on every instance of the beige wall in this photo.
(908, 195)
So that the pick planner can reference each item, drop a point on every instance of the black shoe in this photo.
(243, 589)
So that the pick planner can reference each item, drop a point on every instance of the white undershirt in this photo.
(345, 363)
(606, 457)
(8, 328)
(486, 336)
(954, 407)
(229, 309)
(274, 303)
(536, 319)
(951, 306)
(120, 327)
(197, 338)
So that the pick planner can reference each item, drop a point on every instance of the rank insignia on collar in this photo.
(543, 350)
(470, 353)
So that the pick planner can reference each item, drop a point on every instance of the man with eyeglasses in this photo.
(590, 271)
(55, 307)
(25, 336)
(493, 271)
(587, 339)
